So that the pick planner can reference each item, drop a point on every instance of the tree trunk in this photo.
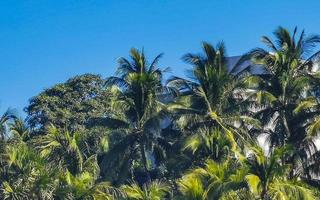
(263, 194)
(285, 123)
(145, 163)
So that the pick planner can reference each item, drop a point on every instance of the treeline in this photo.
(246, 129)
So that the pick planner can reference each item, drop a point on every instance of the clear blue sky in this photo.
(46, 42)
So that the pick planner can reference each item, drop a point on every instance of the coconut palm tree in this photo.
(211, 99)
(4, 119)
(136, 113)
(213, 181)
(268, 176)
(208, 143)
(155, 190)
(242, 194)
(191, 188)
(285, 80)
(284, 99)
(78, 172)
(19, 130)
(257, 176)
(84, 186)
(25, 175)
(61, 148)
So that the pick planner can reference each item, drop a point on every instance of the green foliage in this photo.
(138, 111)
(284, 96)
(25, 175)
(155, 190)
(20, 130)
(211, 143)
(4, 119)
(61, 148)
(132, 137)
(209, 98)
(213, 180)
(68, 105)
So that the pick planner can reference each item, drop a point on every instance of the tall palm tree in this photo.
(136, 113)
(212, 96)
(285, 101)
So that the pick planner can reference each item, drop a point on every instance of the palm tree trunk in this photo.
(263, 194)
(145, 163)
(285, 123)
(283, 112)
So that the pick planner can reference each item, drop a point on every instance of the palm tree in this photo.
(136, 114)
(61, 148)
(25, 175)
(242, 194)
(19, 130)
(4, 119)
(84, 186)
(155, 190)
(191, 188)
(208, 143)
(285, 100)
(268, 176)
(78, 172)
(211, 98)
(213, 181)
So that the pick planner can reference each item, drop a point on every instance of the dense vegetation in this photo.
(246, 131)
